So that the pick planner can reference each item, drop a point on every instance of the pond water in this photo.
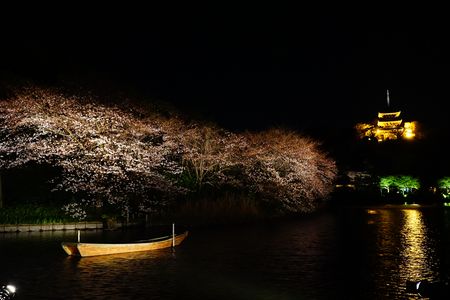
(351, 253)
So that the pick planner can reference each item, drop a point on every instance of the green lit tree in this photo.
(404, 184)
(407, 184)
(444, 186)
(386, 183)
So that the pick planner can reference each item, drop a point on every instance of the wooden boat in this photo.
(92, 249)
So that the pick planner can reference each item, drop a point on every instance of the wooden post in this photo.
(173, 235)
(78, 236)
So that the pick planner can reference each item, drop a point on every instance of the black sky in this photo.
(248, 69)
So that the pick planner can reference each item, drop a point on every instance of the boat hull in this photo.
(93, 249)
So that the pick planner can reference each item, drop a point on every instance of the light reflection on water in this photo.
(405, 250)
(348, 254)
(123, 276)
(417, 255)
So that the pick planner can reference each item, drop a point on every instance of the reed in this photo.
(225, 208)
(31, 214)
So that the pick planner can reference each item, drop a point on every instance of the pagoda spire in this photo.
(387, 97)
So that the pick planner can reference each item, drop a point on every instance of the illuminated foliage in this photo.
(444, 183)
(286, 167)
(410, 129)
(208, 154)
(364, 130)
(407, 183)
(387, 182)
(402, 183)
(132, 158)
(444, 186)
(280, 166)
(114, 154)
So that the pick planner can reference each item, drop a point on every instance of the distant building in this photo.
(388, 126)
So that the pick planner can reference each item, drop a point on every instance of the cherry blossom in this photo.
(128, 155)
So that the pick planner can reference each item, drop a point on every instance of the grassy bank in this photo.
(33, 214)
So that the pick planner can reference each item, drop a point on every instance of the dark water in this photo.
(353, 253)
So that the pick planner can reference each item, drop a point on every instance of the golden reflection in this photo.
(404, 250)
(415, 257)
(116, 270)
(118, 261)
(373, 212)
(385, 238)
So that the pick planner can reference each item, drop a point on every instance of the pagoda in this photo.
(388, 126)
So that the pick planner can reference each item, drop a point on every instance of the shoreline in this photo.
(15, 228)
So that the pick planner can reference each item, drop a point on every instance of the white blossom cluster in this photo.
(102, 150)
(282, 165)
(75, 211)
(128, 156)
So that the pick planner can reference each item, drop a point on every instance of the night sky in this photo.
(247, 69)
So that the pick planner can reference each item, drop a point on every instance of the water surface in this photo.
(351, 253)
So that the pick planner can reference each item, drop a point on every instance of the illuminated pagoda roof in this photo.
(389, 115)
(388, 126)
(390, 123)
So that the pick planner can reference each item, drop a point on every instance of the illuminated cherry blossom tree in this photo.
(112, 153)
(287, 168)
(209, 153)
(281, 167)
(131, 157)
